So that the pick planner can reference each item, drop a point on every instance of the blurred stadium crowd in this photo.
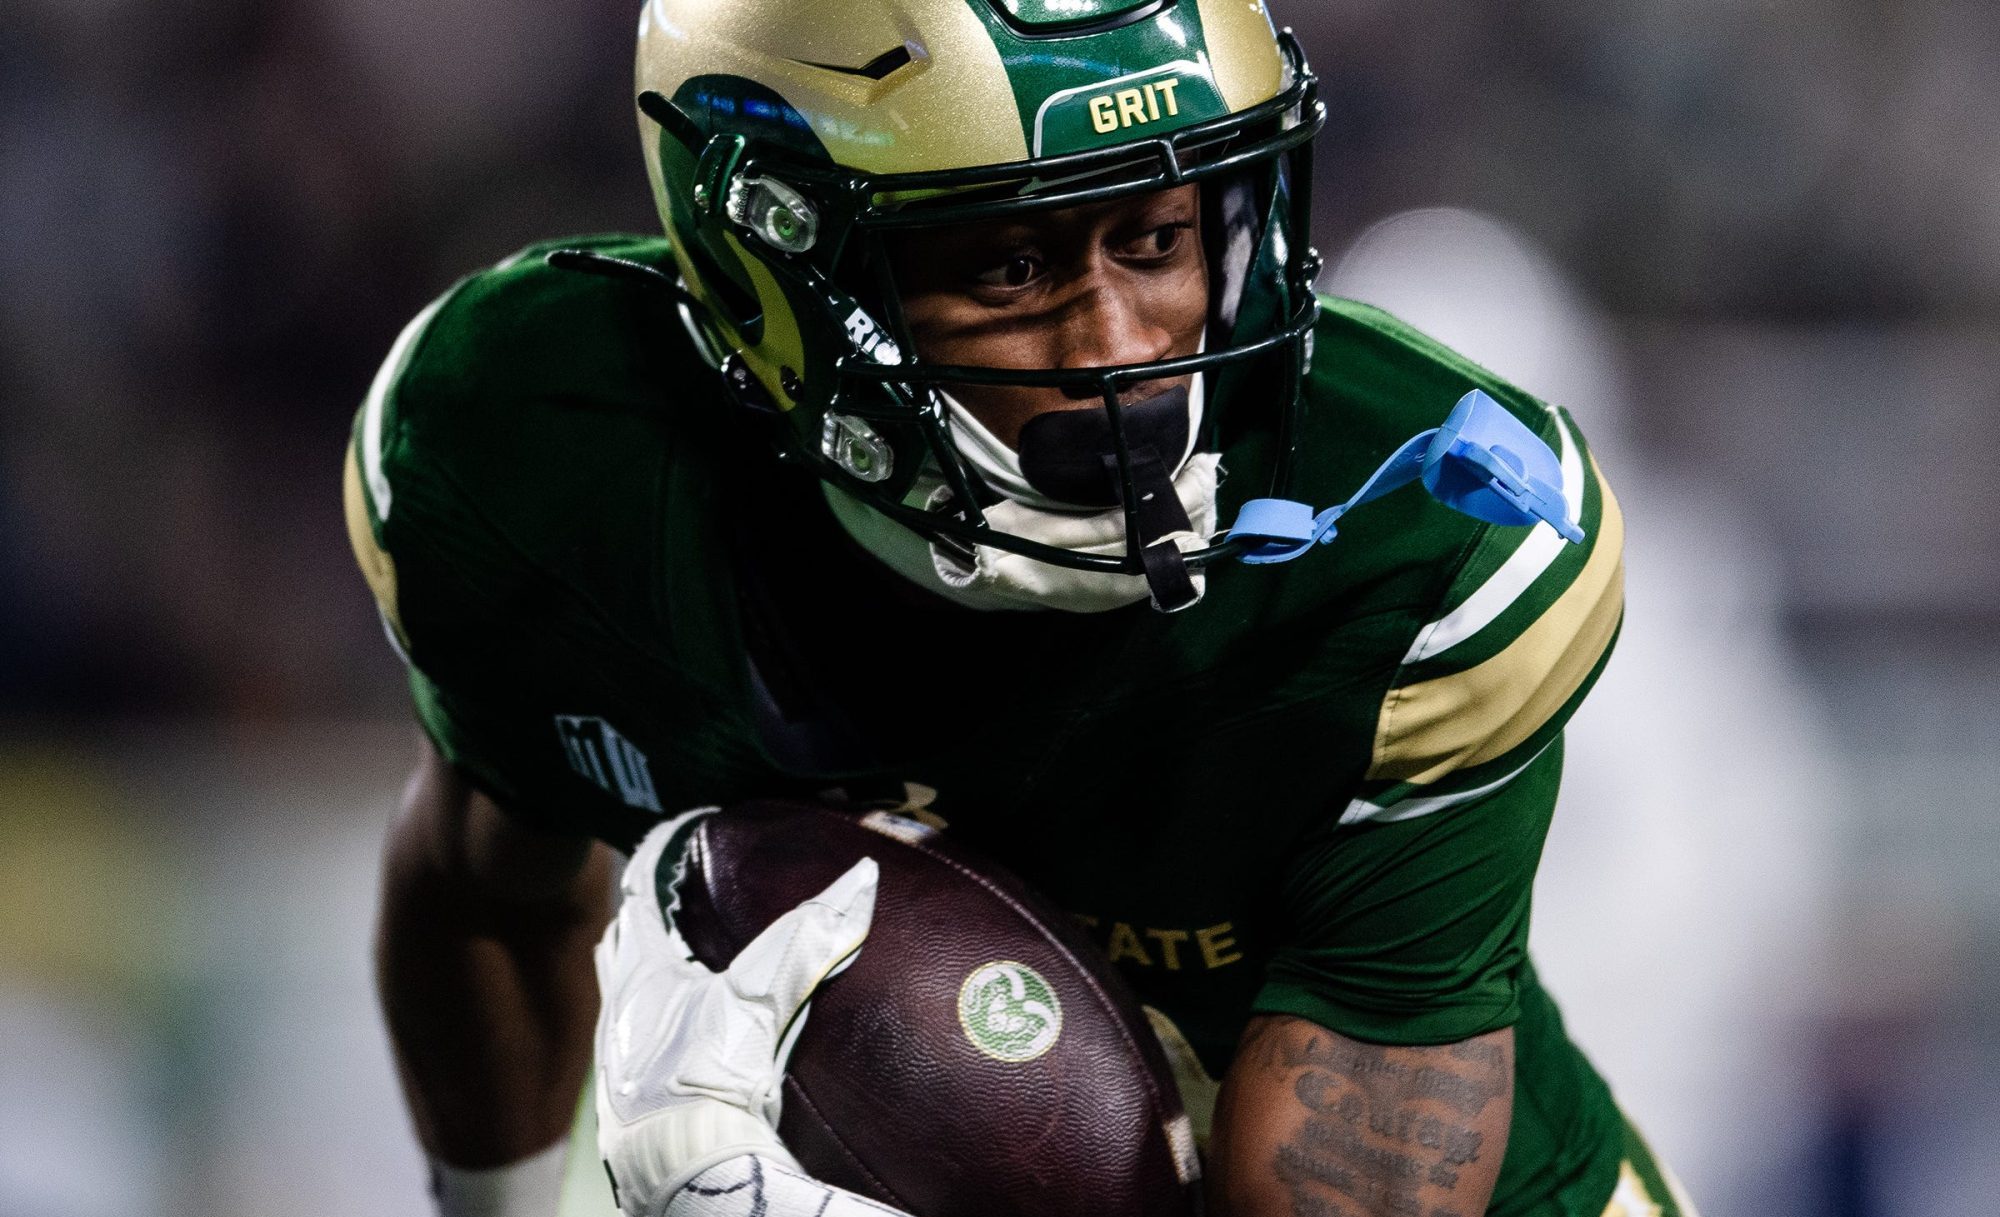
(1774, 230)
(215, 216)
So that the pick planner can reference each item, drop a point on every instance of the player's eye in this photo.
(1018, 270)
(1159, 242)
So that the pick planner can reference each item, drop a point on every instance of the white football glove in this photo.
(690, 1062)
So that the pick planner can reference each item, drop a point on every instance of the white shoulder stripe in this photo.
(1361, 811)
(1515, 575)
(377, 404)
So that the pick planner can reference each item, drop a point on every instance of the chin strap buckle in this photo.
(1161, 517)
(1168, 583)
(1483, 462)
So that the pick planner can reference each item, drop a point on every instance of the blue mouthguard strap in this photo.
(1284, 529)
(1487, 480)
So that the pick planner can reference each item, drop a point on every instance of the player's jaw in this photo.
(1119, 282)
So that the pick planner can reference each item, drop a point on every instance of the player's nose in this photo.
(1105, 326)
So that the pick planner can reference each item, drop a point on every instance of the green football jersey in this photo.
(1321, 792)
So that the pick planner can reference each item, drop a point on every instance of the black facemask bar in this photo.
(902, 390)
(904, 385)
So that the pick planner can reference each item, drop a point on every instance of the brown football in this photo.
(980, 1058)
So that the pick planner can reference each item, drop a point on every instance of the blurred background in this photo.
(1754, 248)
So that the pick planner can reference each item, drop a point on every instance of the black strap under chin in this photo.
(1167, 579)
(1160, 509)
(1161, 514)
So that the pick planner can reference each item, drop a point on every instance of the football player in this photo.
(976, 425)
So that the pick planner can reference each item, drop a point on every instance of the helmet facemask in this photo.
(870, 417)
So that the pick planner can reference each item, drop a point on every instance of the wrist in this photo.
(652, 1158)
(530, 1187)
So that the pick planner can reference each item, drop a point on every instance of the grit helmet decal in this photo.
(785, 138)
(1009, 1011)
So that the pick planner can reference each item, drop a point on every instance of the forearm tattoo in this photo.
(1389, 1132)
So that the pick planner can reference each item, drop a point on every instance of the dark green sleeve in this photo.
(488, 736)
(462, 509)
(477, 741)
(1415, 931)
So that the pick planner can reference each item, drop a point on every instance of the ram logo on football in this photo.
(1009, 1012)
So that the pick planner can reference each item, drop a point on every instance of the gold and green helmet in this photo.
(787, 139)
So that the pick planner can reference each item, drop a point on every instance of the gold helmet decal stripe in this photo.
(783, 348)
(936, 112)
(1243, 53)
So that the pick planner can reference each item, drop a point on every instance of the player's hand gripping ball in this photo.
(689, 1059)
(978, 1057)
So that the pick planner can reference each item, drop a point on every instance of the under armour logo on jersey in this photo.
(600, 755)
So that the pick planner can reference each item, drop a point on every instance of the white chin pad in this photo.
(997, 579)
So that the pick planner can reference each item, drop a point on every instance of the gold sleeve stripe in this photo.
(375, 563)
(1361, 811)
(1631, 1198)
(1478, 715)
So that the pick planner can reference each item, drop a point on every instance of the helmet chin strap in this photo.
(1062, 488)
(994, 579)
